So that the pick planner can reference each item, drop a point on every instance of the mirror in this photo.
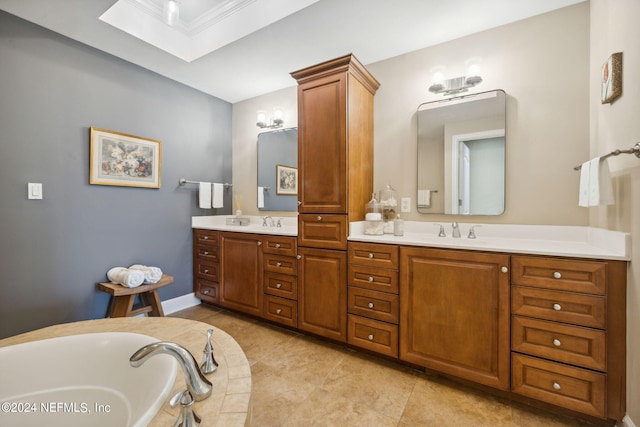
(461, 155)
(278, 170)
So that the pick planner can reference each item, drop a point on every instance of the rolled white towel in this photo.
(151, 274)
(126, 277)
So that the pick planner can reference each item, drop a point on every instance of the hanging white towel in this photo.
(424, 198)
(260, 197)
(600, 186)
(217, 196)
(204, 195)
(583, 196)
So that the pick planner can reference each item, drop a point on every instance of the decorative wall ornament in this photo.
(287, 180)
(124, 160)
(611, 78)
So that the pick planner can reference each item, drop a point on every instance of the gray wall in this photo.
(52, 251)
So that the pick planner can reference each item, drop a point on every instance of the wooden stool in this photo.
(122, 298)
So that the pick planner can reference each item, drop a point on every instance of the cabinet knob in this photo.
(370, 279)
(299, 202)
(205, 237)
(206, 252)
(370, 255)
(557, 307)
(504, 269)
(298, 256)
(279, 285)
(319, 218)
(206, 271)
(278, 311)
(277, 245)
(557, 342)
(556, 386)
(370, 337)
(370, 305)
(205, 292)
(557, 275)
(259, 243)
(278, 264)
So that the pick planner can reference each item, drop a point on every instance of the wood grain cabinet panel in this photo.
(379, 337)
(241, 272)
(373, 304)
(560, 274)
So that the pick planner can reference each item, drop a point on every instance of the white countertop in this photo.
(554, 240)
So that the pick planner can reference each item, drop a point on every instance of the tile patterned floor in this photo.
(303, 381)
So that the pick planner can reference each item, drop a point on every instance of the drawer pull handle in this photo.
(370, 337)
(557, 342)
(205, 292)
(259, 243)
(319, 218)
(370, 305)
(557, 307)
(279, 285)
(370, 255)
(556, 386)
(278, 311)
(298, 256)
(277, 245)
(278, 264)
(206, 252)
(370, 278)
(206, 271)
(557, 275)
(504, 269)
(205, 238)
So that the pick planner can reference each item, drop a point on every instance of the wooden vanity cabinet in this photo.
(206, 283)
(335, 181)
(280, 281)
(454, 313)
(568, 333)
(241, 272)
(373, 303)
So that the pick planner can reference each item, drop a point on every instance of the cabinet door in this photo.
(454, 313)
(241, 272)
(322, 152)
(322, 293)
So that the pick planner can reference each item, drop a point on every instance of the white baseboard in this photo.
(626, 422)
(179, 303)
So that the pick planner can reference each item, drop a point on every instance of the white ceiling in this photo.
(251, 61)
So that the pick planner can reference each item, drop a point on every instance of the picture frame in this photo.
(286, 180)
(125, 160)
(611, 78)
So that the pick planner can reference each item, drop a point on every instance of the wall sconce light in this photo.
(276, 122)
(457, 84)
(170, 12)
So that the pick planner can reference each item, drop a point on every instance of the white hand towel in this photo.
(126, 277)
(583, 195)
(217, 196)
(151, 274)
(424, 198)
(260, 197)
(205, 195)
(600, 186)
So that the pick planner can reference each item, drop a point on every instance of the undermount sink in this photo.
(82, 380)
(451, 241)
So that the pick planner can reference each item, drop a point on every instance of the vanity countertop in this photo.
(568, 241)
(289, 225)
(230, 401)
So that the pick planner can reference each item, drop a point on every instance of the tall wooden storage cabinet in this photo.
(335, 162)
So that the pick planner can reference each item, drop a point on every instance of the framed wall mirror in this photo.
(461, 155)
(277, 170)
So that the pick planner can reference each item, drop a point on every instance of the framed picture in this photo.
(611, 78)
(286, 180)
(124, 160)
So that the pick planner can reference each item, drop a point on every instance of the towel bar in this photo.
(633, 150)
(183, 181)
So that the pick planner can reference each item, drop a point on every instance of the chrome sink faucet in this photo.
(267, 221)
(456, 230)
(197, 384)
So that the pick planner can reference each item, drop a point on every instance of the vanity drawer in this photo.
(280, 264)
(376, 279)
(567, 307)
(281, 285)
(280, 245)
(373, 255)
(373, 304)
(572, 388)
(209, 237)
(373, 335)
(280, 310)
(206, 253)
(208, 291)
(576, 345)
(323, 231)
(207, 270)
(559, 274)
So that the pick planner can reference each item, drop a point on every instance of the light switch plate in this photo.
(35, 190)
(405, 205)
